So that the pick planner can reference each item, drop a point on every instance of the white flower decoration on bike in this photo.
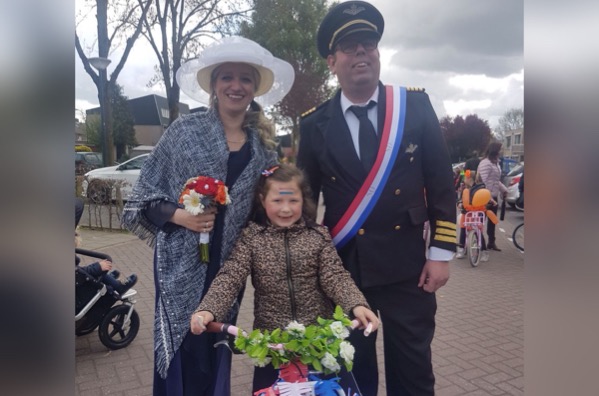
(339, 330)
(346, 351)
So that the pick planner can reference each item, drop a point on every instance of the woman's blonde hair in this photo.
(254, 116)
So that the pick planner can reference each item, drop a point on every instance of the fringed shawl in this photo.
(193, 145)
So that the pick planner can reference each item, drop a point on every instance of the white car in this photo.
(511, 181)
(100, 184)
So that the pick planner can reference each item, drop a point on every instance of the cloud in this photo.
(467, 54)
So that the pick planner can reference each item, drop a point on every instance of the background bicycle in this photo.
(518, 237)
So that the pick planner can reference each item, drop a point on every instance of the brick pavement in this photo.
(478, 348)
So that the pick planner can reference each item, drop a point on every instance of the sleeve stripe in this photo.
(446, 232)
(445, 238)
(446, 224)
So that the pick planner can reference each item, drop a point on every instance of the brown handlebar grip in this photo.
(215, 327)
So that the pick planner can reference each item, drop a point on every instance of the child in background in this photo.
(103, 271)
(296, 271)
(470, 189)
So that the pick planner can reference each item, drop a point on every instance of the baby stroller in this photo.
(96, 307)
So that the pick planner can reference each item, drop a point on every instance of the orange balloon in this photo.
(492, 217)
(481, 197)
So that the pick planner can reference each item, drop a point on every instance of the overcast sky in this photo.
(467, 54)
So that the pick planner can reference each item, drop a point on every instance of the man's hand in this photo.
(435, 274)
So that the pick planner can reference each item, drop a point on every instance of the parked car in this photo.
(511, 181)
(101, 185)
(86, 161)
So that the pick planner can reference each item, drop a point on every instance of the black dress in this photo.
(198, 368)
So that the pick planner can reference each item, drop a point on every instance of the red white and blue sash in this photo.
(369, 193)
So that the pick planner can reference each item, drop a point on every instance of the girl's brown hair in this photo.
(283, 173)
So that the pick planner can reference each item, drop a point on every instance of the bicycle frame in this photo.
(474, 221)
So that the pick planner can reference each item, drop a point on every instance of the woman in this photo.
(489, 173)
(230, 141)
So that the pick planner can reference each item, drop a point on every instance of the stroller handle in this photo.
(91, 253)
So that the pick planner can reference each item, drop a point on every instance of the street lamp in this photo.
(100, 64)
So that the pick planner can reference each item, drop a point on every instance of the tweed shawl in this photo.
(193, 145)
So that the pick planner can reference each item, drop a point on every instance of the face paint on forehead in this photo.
(285, 192)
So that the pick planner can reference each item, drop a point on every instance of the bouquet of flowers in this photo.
(321, 346)
(199, 193)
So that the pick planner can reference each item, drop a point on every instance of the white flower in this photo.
(297, 329)
(261, 362)
(330, 362)
(228, 196)
(346, 351)
(193, 202)
(339, 330)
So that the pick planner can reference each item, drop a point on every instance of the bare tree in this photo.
(119, 18)
(178, 29)
(511, 119)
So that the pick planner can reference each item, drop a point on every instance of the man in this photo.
(376, 204)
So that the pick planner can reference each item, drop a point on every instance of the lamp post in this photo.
(101, 64)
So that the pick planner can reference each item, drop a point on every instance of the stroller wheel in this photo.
(114, 332)
(85, 326)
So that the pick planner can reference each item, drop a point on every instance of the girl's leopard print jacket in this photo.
(296, 273)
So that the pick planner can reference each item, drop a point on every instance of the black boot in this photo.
(492, 246)
(114, 273)
(127, 284)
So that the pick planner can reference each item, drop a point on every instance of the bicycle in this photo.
(518, 237)
(294, 377)
(474, 222)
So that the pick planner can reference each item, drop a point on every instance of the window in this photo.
(165, 113)
(508, 141)
(517, 139)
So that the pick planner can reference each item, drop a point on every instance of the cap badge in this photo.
(353, 10)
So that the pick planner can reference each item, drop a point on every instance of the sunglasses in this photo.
(351, 46)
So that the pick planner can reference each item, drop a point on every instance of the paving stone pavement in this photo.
(478, 347)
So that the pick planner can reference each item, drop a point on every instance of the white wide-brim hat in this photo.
(276, 75)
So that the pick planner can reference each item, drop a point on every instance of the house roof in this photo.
(149, 110)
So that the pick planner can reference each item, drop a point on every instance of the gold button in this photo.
(397, 227)
(333, 178)
(397, 191)
(361, 231)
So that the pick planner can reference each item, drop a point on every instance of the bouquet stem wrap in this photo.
(204, 247)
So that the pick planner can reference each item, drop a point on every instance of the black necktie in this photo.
(367, 135)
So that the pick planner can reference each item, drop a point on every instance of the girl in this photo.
(296, 272)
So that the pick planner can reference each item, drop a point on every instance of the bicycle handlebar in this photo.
(218, 327)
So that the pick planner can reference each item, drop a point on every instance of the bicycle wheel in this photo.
(473, 248)
(518, 237)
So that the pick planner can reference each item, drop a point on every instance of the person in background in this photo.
(232, 141)
(377, 201)
(489, 173)
(282, 228)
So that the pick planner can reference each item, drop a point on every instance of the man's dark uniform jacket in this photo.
(389, 247)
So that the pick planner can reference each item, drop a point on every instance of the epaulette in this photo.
(415, 89)
(305, 113)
